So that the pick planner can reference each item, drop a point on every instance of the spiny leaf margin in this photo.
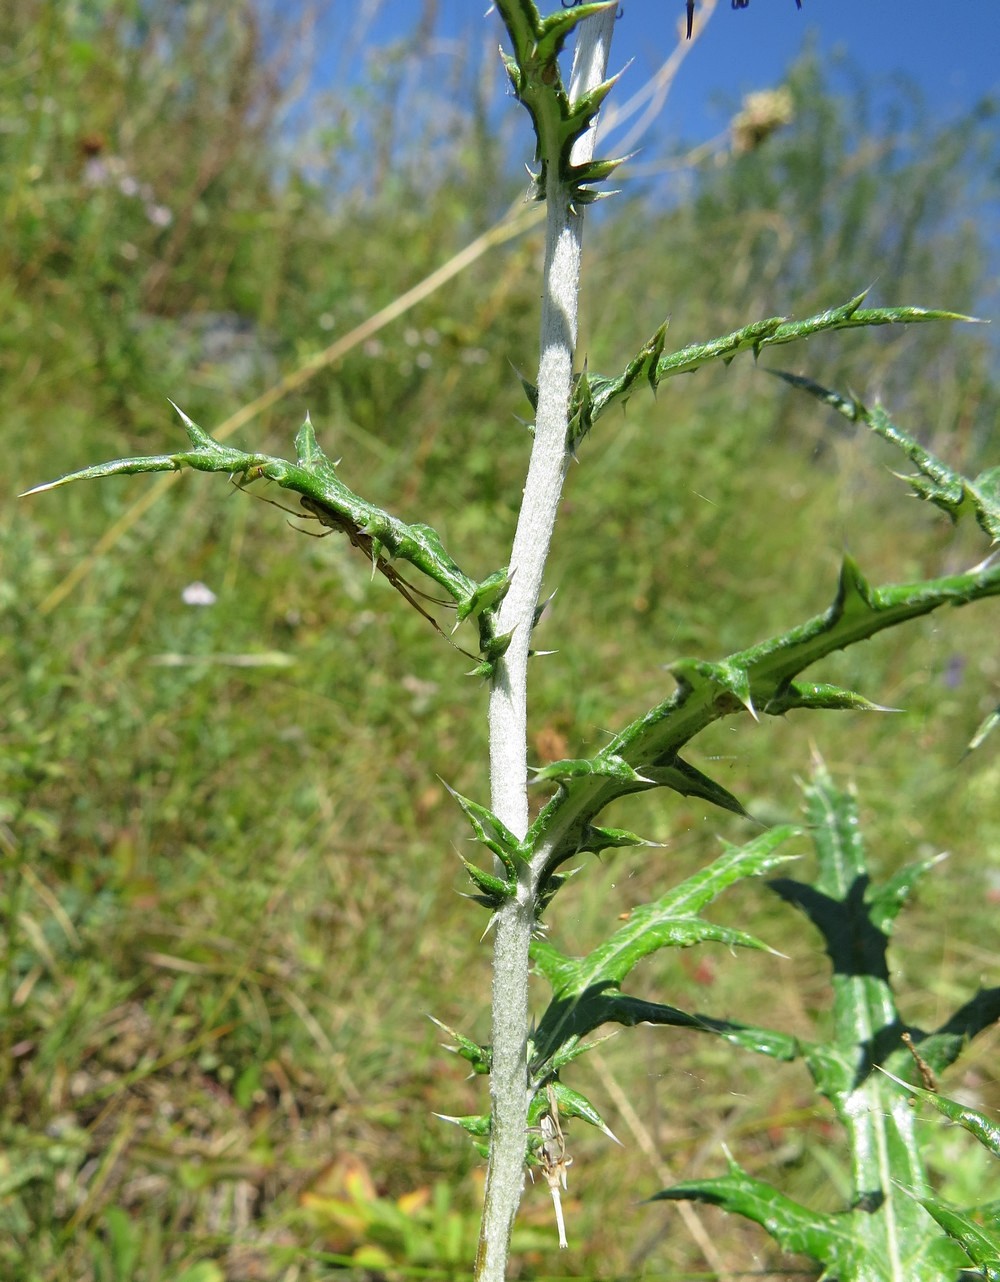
(644, 754)
(533, 69)
(594, 394)
(586, 991)
(314, 478)
(937, 482)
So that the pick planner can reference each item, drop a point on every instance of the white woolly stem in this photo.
(508, 695)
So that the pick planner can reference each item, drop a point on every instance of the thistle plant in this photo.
(531, 853)
(894, 1227)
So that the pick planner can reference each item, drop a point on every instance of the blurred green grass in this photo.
(229, 887)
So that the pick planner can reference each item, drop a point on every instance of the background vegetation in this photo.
(227, 901)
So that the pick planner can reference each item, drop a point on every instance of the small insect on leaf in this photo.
(342, 524)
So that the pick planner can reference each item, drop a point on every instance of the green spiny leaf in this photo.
(596, 171)
(312, 477)
(559, 970)
(579, 1008)
(554, 29)
(581, 410)
(494, 891)
(937, 482)
(748, 1037)
(486, 595)
(595, 390)
(530, 389)
(606, 765)
(942, 1047)
(535, 77)
(867, 1027)
(309, 455)
(985, 1129)
(981, 1245)
(884, 1235)
(596, 839)
(855, 918)
(889, 1241)
(585, 989)
(772, 331)
(684, 779)
(572, 1104)
(196, 435)
(497, 645)
(854, 597)
(886, 901)
(858, 612)
(476, 1125)
(814, 695)
(207, 456)
(729, 682)
(478, 1056)
(570, 1050)
(672, 919)
(794, 1227)
(494, 834)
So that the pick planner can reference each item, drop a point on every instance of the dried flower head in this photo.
(759, 116)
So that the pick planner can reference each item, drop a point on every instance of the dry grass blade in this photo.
(689, 1216)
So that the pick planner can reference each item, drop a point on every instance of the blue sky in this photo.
(950, 47)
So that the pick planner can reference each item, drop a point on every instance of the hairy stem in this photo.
(508, 695)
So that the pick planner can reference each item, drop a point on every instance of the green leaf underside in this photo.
(594, 394)
(937, 482)
(762, 678)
